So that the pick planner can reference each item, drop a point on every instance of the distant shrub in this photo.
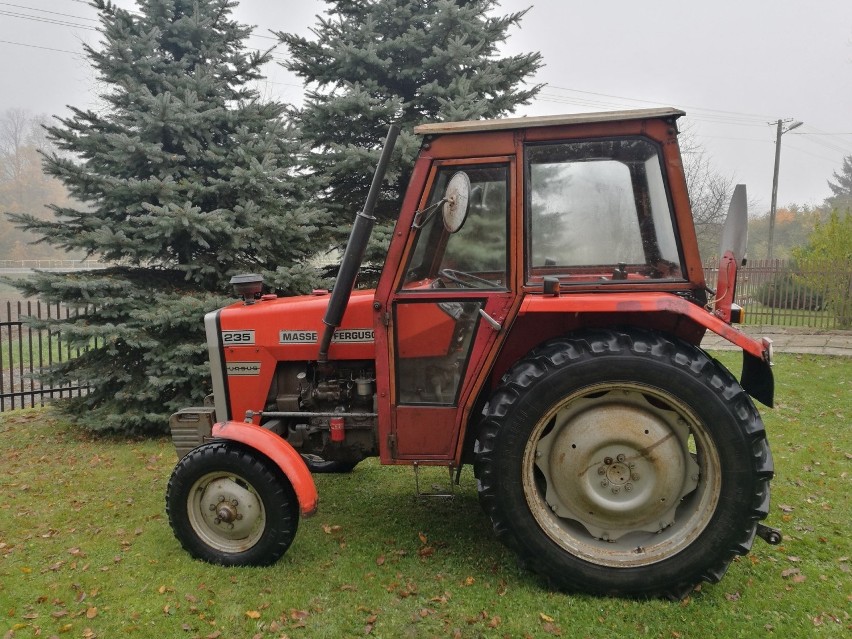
(786, 290)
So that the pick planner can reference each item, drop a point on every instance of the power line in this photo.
(720, 112)
(67, 15)
(35, 46)
(62, 23)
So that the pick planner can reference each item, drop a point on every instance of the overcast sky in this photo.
(735, 67)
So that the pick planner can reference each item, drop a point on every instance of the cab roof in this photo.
(503, 124)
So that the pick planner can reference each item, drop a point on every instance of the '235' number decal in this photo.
(234, 338)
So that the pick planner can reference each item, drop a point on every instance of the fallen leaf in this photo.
(469, 581)
(789, 572)
(426, 551)
(422, 538)
(252, 614)
(545, 617)
(91, 613)
(380, 560)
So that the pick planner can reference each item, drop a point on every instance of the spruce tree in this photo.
(841, 188)
(184, 178)
(374, 62)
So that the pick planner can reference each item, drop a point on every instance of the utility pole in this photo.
(780, 130)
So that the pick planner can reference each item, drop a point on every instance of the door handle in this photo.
(493, 323)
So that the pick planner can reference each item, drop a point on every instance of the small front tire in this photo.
(229, 506)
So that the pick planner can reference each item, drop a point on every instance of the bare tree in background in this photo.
(709, 192)
(24, 188)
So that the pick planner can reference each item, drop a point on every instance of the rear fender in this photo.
(757, 379)
(280, 452)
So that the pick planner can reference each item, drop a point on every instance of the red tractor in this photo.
(539, 316)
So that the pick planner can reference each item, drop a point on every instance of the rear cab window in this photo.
(598, 211)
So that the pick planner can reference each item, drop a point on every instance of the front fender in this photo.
(280, 452)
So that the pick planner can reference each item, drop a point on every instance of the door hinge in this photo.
(392, 444)
(386, 318)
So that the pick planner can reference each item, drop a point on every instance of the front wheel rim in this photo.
(621, 474)
(226, 512)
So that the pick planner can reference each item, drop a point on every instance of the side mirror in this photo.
(456, 202)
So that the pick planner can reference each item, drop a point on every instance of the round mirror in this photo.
(456, 201)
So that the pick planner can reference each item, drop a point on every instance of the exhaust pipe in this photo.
(355, 249)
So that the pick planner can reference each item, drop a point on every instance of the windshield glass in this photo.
(476, 255)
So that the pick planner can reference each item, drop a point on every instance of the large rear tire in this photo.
(623, 463)
(230, 507)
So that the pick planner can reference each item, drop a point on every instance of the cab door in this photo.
(447, 311)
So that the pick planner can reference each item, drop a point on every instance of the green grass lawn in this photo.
(86, 551)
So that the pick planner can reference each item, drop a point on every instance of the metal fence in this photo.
(777, 293)
(24, 351)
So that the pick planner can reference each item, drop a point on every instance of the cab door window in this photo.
(476, 256)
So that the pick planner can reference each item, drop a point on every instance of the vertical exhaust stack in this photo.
(355, 248)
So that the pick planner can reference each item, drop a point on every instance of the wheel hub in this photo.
(616, 463)
(227, 514)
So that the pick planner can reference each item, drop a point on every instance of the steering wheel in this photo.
(465, 280)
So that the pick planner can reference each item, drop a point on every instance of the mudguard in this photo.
(280, 452)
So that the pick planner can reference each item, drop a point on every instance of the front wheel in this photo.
(623, 463)
(230, 507)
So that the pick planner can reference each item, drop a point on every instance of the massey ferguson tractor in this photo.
(539, 316)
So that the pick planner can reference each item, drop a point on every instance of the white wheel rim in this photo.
(621, 475)
(226, 512)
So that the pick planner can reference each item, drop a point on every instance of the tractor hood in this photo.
(289, 328)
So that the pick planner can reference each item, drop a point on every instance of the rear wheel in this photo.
(623, 463)
(227, 506)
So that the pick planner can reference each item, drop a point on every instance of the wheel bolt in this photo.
(217, 521)
(234, 503)
(607, 460)
(634, 476)
(615, 490)
(604, 483)
(628, 487)
(212, 507)
(601, 470)
(620, 458)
